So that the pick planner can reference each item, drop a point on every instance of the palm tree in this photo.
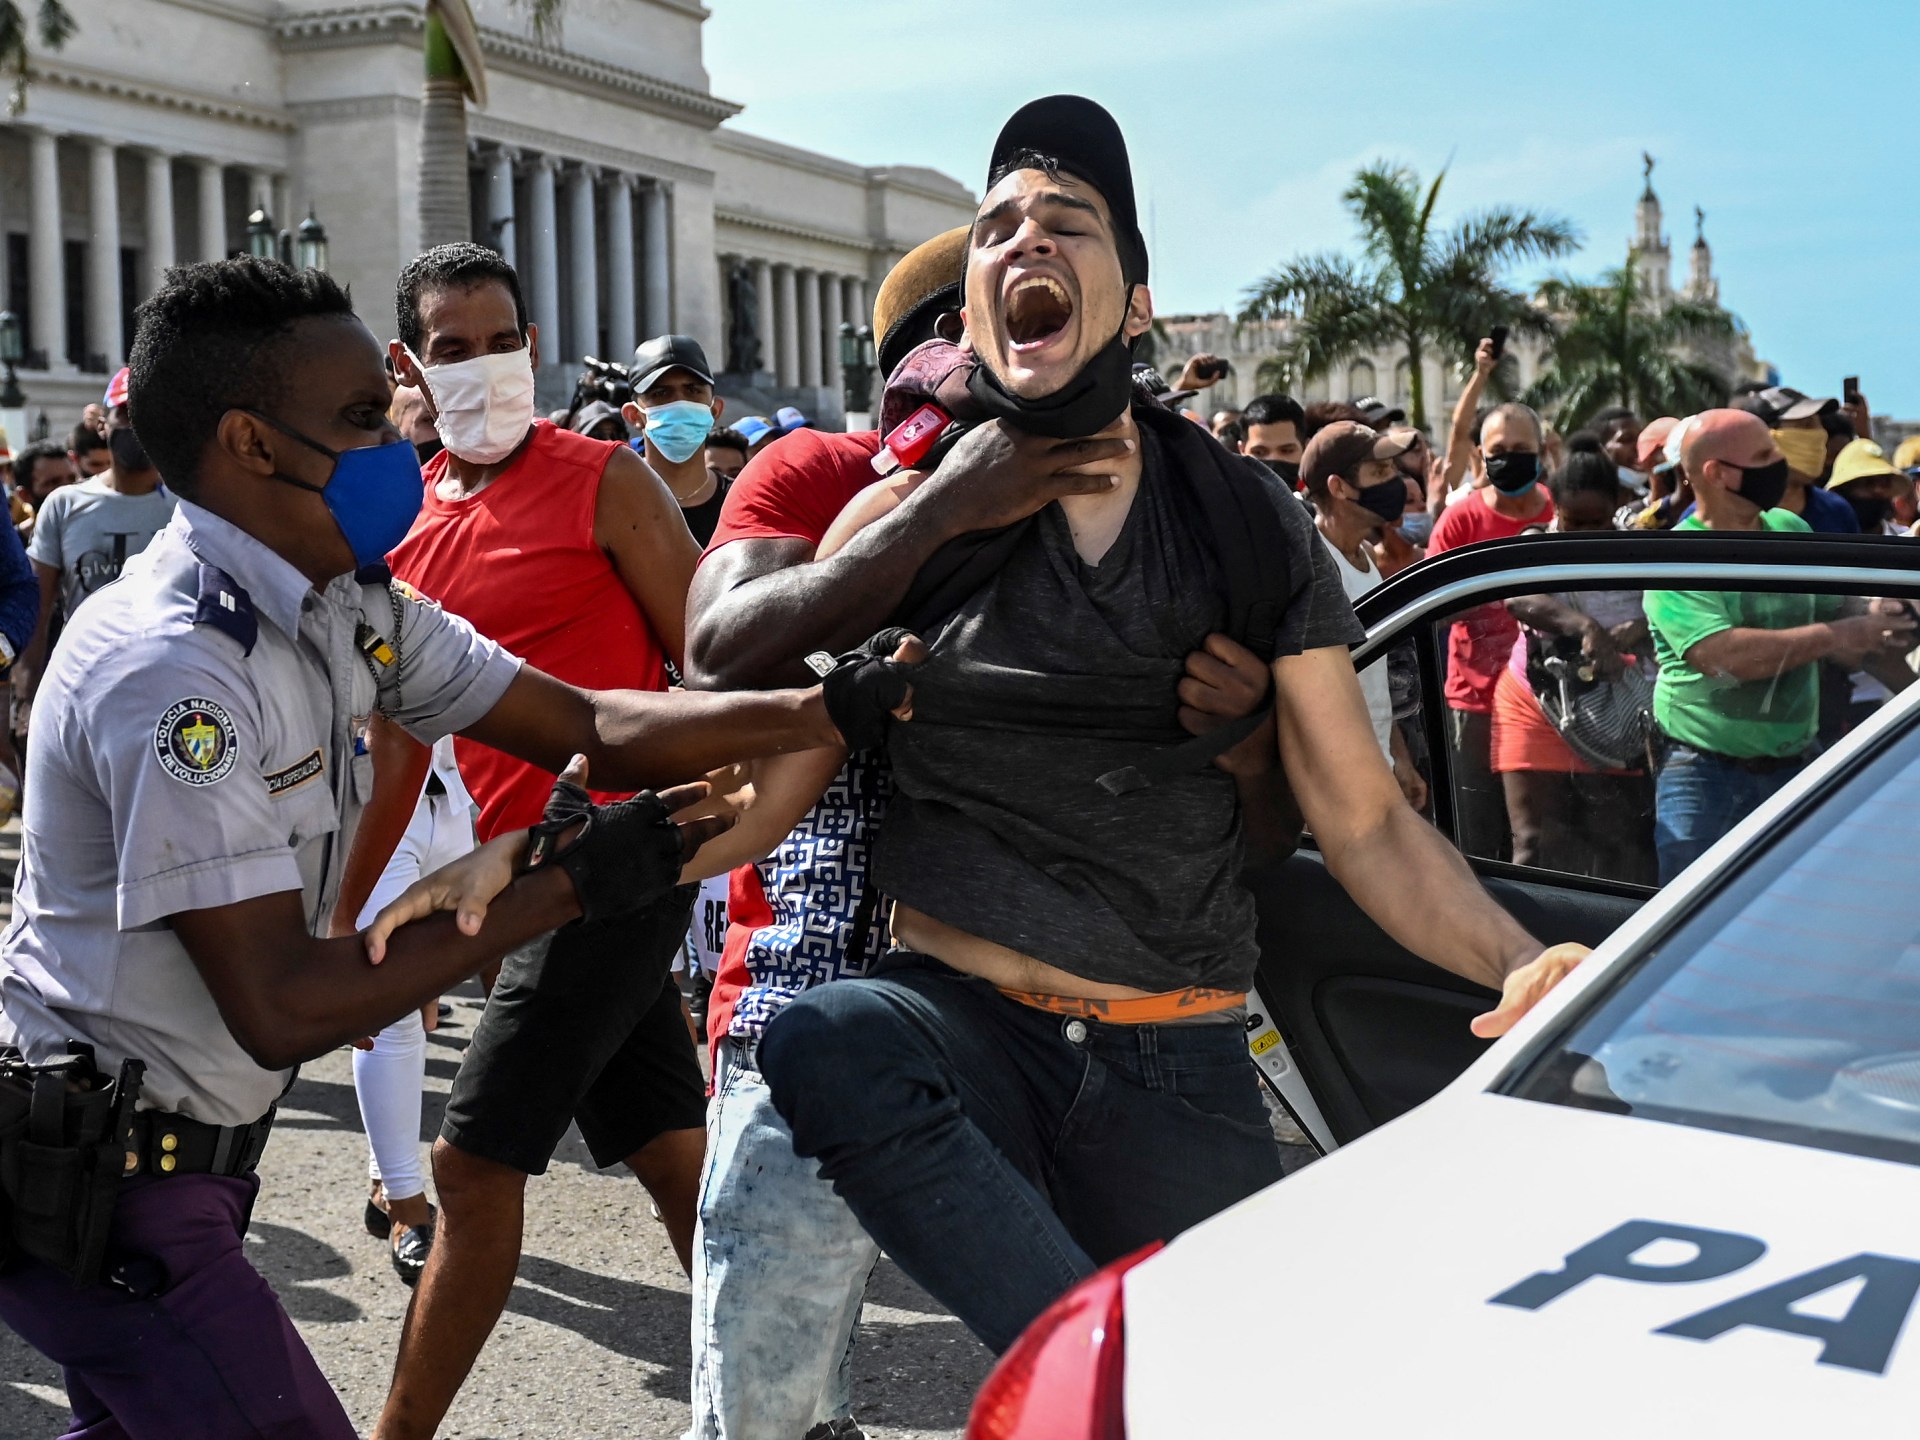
(55, 27)
(1414, 288)
(1616, 348)
(454, 75)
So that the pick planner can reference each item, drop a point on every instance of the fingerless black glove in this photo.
(863, 688)
(626, 856)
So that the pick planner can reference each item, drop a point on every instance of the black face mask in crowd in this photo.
(1764, 486)
(1287, 470)
(427, 449)
(1514, 473)
(1085, 405)
(1388, 499)
(1872, 511)
(129, 455)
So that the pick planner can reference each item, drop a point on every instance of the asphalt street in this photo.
(595, 1341)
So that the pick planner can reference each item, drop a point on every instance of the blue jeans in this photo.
(1698, 798)
(779, 1270)
(999, 1153)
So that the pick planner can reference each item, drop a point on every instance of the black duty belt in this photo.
(163, 1143)
(1752, 764)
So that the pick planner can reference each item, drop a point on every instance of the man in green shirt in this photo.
(1738, 698)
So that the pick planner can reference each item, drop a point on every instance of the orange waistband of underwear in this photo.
(1140, 1010)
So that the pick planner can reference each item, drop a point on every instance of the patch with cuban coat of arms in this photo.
(195, 742)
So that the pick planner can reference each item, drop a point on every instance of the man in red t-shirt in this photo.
(572, 553)
(1481, 641)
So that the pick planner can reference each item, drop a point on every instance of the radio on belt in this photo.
(909, 441)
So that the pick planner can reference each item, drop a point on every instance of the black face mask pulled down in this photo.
(1763, 486)
(129, 455)
(1388, 499)
(1085, 405)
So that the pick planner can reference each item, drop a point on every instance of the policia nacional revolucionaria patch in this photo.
(195, 742)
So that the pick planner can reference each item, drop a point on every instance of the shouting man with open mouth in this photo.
(1048, 1070)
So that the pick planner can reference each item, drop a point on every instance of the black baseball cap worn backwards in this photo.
(1086, 140)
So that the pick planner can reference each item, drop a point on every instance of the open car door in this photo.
(1349, 1028)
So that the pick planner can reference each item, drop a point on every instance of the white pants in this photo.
(389, 1078)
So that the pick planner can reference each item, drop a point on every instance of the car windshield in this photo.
(1789, 1006)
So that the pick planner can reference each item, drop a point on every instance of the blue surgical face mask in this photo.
(373, 494)
(679, 429)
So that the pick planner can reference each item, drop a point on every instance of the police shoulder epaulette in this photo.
(226, 606)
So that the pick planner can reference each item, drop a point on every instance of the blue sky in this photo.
(1794, 126)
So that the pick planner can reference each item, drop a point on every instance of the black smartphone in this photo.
(1850, 389)
(1499, 338)
(1219, 369)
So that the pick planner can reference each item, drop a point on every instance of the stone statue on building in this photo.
(743, 330)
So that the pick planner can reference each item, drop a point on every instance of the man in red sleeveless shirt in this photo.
(572, 553)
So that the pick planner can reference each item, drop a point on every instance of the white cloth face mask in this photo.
(485, 404)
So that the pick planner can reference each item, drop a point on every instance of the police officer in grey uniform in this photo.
(196, 775)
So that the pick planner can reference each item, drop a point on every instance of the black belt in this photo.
(1752, 764)
(166, 1144)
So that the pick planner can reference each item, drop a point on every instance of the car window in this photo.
(1790, 1006)
(1616, 734)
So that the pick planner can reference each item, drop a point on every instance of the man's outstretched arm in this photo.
(1398, 869)
(644, 739)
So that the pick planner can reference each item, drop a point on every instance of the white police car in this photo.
(1681, 1199)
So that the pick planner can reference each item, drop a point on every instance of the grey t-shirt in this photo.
(998, 828)
(88, 532)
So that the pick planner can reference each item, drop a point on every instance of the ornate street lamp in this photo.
(310, 245)
(12, 351)
(262, 243)
(856, 372)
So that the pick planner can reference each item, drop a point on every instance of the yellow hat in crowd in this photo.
(1860, 460)
(1908, 454)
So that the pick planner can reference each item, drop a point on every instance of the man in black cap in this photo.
(673, 401)
(1050, 1069)
(1379, 414)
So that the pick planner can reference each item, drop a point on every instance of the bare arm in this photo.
(642, 739)
(1398, 869)
(1460, 437)
(779, 790)
(400, 765)
(637, 522)
(757, 606)
(1746, 653)
(27, 669)
(288, 997)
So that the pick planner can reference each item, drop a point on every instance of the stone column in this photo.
(857, 310)
(44, 260)
(159, 217)
(786, 309)
(585, 339)
(833, 313)
(213, 210)
(657, 260)
(260, 197)
(543, 246)
(104, 336)
(763, 291)
(500, 217)
(620, 300)
(810, 371)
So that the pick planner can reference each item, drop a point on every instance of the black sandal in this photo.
(379, 1223)
(409, 1252)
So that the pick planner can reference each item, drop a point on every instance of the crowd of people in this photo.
(852, 732)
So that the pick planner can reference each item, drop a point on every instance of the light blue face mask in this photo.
(679, 429)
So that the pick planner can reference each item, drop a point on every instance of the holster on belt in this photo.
(65, 1132)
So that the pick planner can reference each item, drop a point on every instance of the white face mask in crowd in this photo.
(485, 404)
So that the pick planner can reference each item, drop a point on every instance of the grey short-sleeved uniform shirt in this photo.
(88, 532)
(198, 741)
(1057, 672)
